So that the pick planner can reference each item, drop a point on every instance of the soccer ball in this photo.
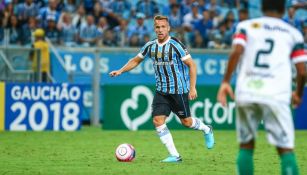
(125, 152)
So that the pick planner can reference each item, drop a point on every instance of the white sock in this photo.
(199, 125)
(167, 139)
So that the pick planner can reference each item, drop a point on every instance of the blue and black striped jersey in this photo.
(172, 75)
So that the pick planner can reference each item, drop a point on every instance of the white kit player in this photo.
(265, 49)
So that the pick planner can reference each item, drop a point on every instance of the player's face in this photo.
(162, 29)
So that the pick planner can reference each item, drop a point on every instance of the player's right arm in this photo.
(132, 63)
(239, 43)
(225, 88)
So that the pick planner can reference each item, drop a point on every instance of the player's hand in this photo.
(225, 89)
(115, 73)
(192, 94)
(296, 100)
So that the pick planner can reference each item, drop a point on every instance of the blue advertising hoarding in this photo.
(301, 113)
(42, 106)
(210, 67)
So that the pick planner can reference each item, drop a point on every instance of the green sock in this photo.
(288, 164)
(245, 164)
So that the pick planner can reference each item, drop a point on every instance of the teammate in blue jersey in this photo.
(175, 74)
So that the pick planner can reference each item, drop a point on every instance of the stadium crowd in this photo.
(128, 23)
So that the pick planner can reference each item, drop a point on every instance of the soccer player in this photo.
(265, 48)
(175, 74)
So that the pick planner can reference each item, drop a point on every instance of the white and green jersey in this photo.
(265, 70)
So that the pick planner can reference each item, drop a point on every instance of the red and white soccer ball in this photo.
(125, 152)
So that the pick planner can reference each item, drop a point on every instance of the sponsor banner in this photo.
(210, 67)
(301, 113)
(129, 107)
(43, 106)
(2, 105)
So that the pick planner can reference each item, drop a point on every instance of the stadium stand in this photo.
(128, 23)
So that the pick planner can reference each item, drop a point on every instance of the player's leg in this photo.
(279, 123)
(160, 110)
(287, 161)
(180, 106)
(247, 120)
(245, 162)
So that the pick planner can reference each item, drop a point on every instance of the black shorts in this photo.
(164, 104)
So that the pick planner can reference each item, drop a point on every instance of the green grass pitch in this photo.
(91, 151)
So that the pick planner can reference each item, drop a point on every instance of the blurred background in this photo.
(128, 23)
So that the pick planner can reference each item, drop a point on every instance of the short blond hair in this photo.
(160, 17)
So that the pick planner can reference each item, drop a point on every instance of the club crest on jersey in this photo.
(256, 25)
(159, 54)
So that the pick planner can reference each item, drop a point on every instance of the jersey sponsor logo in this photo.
(275, 28)
(163, 63)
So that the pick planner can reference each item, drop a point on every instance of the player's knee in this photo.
(187, 122)
(158, 121)
(283, 150)
(248, 145)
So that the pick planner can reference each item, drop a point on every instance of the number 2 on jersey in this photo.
(264, 52)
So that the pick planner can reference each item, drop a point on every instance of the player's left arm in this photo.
(192, 71)
(300, 84)
(299, 58)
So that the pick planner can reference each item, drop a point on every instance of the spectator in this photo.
(88, 5)
(70, 6)
(8, 11)
(102, 26)
(121, 8)
(51, 10)
(14, 31)
(28, 30)
(97, 12)
(109, 39)
(121, 33)
(220, 38)
(88, 34)
(168, 7)
(204, 27)
(190, 19)
(52, 33)
(214, 6)
(139, 29)
(186, 6)
(80, 18)
(243, 14)
(43, 46)
(230, 22)
(134, 41)
(175, 17)
(26, 10)
(68, 32)
(148, 7)
(198, 41)
(189, 22)
(292, 19)
(105, 4)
